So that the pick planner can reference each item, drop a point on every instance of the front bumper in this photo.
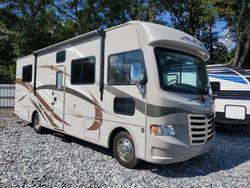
(165, 150)
(221, 119)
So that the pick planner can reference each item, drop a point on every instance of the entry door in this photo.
(58, 98)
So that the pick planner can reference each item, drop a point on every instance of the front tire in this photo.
(36, 124)
(124, 150)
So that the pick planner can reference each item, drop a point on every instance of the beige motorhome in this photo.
(140, 89)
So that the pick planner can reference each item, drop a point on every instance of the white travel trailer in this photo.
(232, 103)
(140, 89)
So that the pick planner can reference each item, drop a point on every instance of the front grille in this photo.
(201, 128)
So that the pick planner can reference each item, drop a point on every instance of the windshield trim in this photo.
(197, 91)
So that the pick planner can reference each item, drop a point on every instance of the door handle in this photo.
(54, 100)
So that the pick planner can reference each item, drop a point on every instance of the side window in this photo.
(83, 71)
(125, 106)
(60, 56)
(27, 73)
(119, 66)
(59, 80)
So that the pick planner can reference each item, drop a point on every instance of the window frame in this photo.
(25, 76)
(120, 53)
(92, 83)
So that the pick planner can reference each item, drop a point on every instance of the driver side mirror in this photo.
(137, 74)
(215, 86)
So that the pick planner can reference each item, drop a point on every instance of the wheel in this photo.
(124, 150)
(36, 124)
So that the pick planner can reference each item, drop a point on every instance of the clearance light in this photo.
(162, 130)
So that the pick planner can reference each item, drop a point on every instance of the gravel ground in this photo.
(48, 160)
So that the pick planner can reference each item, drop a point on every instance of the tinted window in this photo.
(124, 106)
(59, 80)
(27, 73)
(119, 66)
(60, 56)
(83, 71)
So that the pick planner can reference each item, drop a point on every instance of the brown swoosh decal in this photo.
(54, 68)
(37, 107)
(40, 99)
(26, 85)
(75, 93)
(50, 119)
(98, 116)
(98, 110)
(22, 98)
(152, 110)
(20, 82)
(76, 115)
(49, 108)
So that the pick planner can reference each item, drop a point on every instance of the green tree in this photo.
(237, 14)
(88, 15)
(25, 26)
(220, 53)
(196, 18)
(38, 23)
(185, 15)
(9, 48)
(79, 16)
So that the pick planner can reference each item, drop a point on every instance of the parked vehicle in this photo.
(140, 89)
(232, 104)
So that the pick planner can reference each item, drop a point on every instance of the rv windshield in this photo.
(181, 72)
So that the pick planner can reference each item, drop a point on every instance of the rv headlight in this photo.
(162, 130)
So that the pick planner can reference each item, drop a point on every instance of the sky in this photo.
(220, 27)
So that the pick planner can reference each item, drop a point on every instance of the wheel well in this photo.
(113, 134)
(33, 114)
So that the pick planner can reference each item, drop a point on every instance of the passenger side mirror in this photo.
(137, 74)
(215, 86)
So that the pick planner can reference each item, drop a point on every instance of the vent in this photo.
(201, 128)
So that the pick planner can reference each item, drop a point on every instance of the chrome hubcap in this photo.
(125, 149)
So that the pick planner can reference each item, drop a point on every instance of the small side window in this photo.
(27, 73)
(60, 56)
(125, 106)
(59, 81)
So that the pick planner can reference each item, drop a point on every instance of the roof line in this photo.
(91, 34)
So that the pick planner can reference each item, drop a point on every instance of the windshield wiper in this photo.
(184, 86)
